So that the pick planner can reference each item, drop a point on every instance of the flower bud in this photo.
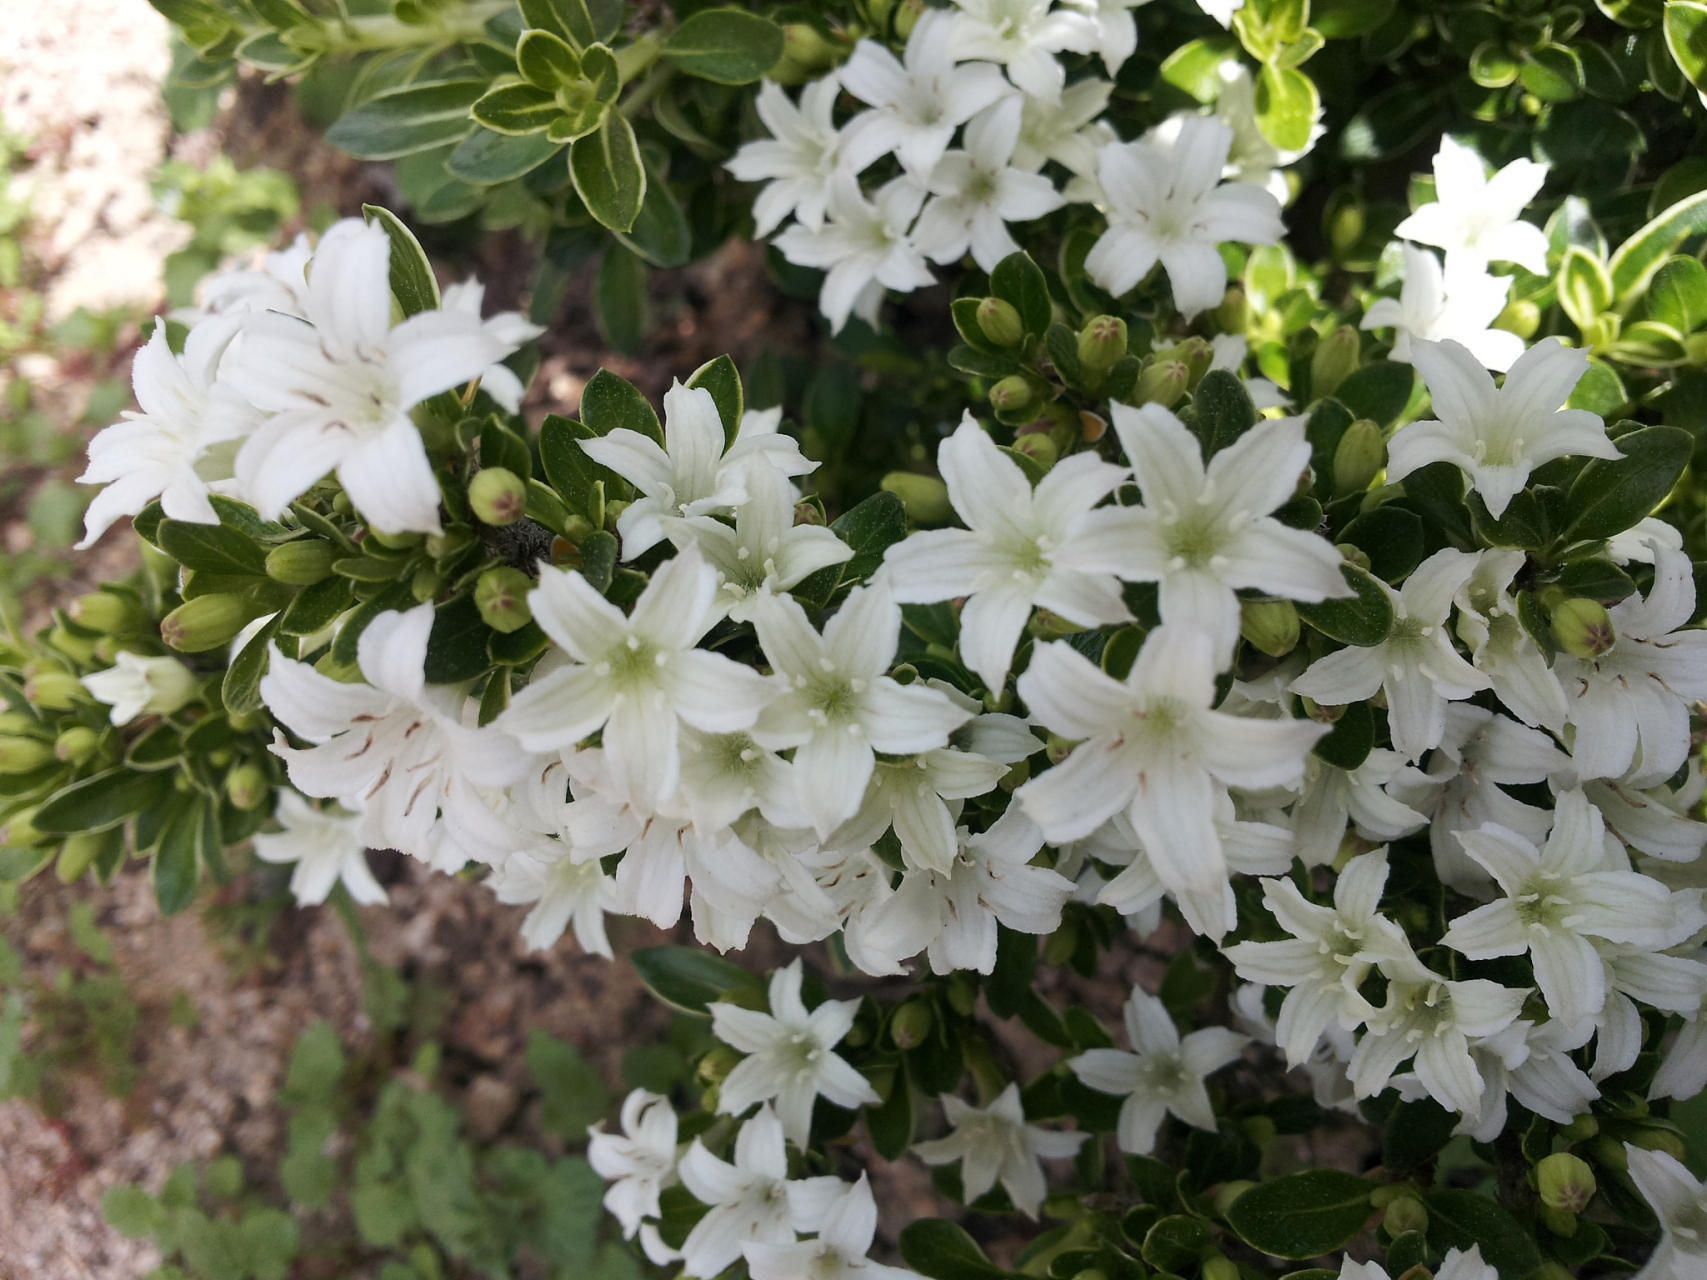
(1015, 777)
(1583, 628)
(402, 540)
(24, 755)
(1059, 748)
(497, 496)
(248, 786)
(501, 595)
(716, 1064)
(1234, 311)
(77, 648)
(911, 1024)
(907, 17)
(1163, 383)
(1038, 446)
(106, 612)
(1565, 1182)
(1321, 713)
(78, 852)
(1196, 355)
(1011, 394)
(205, 622)
(1046, 625)
(1405, 1213)
(1581, 1128)
(20, 829)
(1359, 457)
(1229, 1192)
(1000, 322)
(1337, 355)
(613, 513)
(962, 994)
(51, 688)
(1220, 1267)
(1353, 555)
(301, 564)
(1270, 625)
(77, 745)
(1663, 1140)
(809, 513)
(1521, 317)
(805, 48)
(924, 497)
(1102, 343)
(1610, 1152)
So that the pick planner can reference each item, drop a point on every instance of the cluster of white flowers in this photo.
(1163, 195)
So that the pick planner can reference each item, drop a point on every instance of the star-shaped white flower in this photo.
(509, 327)
(1530, 1062)
(638, 1163)
(1253, 158)
(1165, 201)
(274, 281)
(1500, 647)
(1426, 310)
(864, 248)
(798, 160)
(339, 385)
(1162, 1074)
(1006, 560)
(995, 1143)
(976, 192)
(918, 796)
(1117, 30)
(136, 685)
(1680, 1202)
(790, 1055)
(1204, 532)
(1024, 36)
(1497, 436)
(326, 849)
(1433, 1019)
(563, 891)
(1478, 219)
(845, 1232)
(1062, 131)
(1416, 664)
(918, 101)
(1333, 796)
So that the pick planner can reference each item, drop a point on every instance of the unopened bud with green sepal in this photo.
(248, 786)
(1270, 625)
(1565, 1182)
(24, 755)
(911, 1024)
(206, 622)
(52, 688)
(106, 612)
(925, 498)
(1196, 355)
(999, 321)
(1405, 1213)
(497, 496)
(78, 853)
(1359, 457)
(1038, 446)
(301, 564)
(501, 595)
(1011, 394)
(1220, 1267)
(1336, 359)
(77, 744)
(1102, 343)
(1583, 628)
(1162, 382)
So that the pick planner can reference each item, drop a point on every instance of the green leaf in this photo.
(1585, 287)
(1222, 411)
(1287, 105)
(1463, 1219)
(1352, 738)
(486, 157)
(317, 1063)
(1609, 496)
(609, 175)
(1302, 1215)
(1345, 19)
(1362, 620)
(1175, 1242)
(590, 21)
(1391, 537)
(176, 871)
(980, 363)
(1195, 67)
(723, 380)
(346, 648)
(412, 281)
(1598, 580)
(211, 548)
(688, 979)
(132, 1212)
(1379, 391)
(100, 802)
(598, 559)
(870, 528)
(1641, 255)
(619, 299)
(456, 647)
(316, 607)
(1678, 294)
(1018, 281)
(574, 475)
(728, 46)
(1522, 525)
(891, 1125)
(546, 61)
(942, 1250)
(1686, 37)
(613, 403)
(408, 119)
(1416, 1131)
(575, 1095)
(660, 234)
(269, 1242)
(513, 109)
(241, 689)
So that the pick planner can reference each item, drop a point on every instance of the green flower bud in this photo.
(1565, 1182)
(1046, 625)
(19, 829)
(716, 1064)
(809, 513)
(1058, 748)
(78, 852)
(1011, 394)
(501, 595)
(1583, 628)
(248, 786)
(17, 722)
(77, 648)
(1038, 446)
(1359, 457)
(1321, 713)
(1663, 1140)
(1270, 625)
(1522, 318)
(1336, 357)
(1162, 382)
(1196, 355)
(24, 755)
(1015, 777)
(613, 513)
(106, 612)
(402, 540)
(1405, 1213)
(805, 48)
(77, 745)
(577, 529)
(1580, 1129)
(301, 564)
(1345, 227)
(1102, 343)
(924, 497)
(962, 994)
(1220, 1267)
(907, 17)
(1229, 1192)
(205, 622)
(1233, 312)
(1000, 322)
(497, 496)
(911, 1024)
(1610, 1152)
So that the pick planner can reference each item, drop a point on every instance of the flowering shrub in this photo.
(1330, 597)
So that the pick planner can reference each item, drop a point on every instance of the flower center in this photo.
(1193, 540)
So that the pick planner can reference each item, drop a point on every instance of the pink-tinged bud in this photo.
(501, 595)
(1163, 383)
(498, 496)
(1565, 1182)
(1583, 628)
(999, 321)
(1102, 343)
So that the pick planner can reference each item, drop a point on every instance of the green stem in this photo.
(368, 34)
(646, 90)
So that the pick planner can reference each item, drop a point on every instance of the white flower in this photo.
(799, 158)
(1630, 706)
(395, 748)
(1654, 820)
(954, 913)
(1162, 1074)
(1477, 219)
(1166, 202)
(1253, 158)
(1022, 35)
(136, 685)
(1331, 952)
(995, 1142)
(840, 707)
(751, 1200)
(1533, 1064)
(863, 246)
(1680, 1202)
(1642, 541)
(277, 282)
(563, 891)
(339, 386)
(1558, 898)
(326, 849)
(1500, 647)
(1458, 1265)
(638, 677)
(1062, 131)
(1426, 310)
(976, 192)
(691, 474)
(638, 1164)
(1221, 10)
(917, 102)
(1497, 436)
(724, 775)
(765, 551)
(1117, 31)
(1154, 749)
(790, 1055)
(918, 795)
(845, 1232)
(1434, 1019)
(1202, 532)
(1332, 796)
(509, 327)
(1683, 1073)
(1675, 984)
(1416, 664)
(171, 450)
(1005, 561)
(1349, 1268)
